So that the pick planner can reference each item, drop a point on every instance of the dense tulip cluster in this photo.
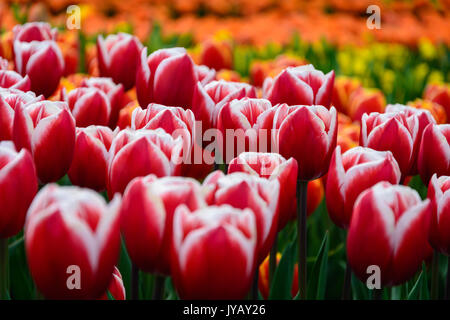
(202, 176)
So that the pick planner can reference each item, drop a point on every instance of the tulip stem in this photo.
(273, 260)
(435, 276)
(254, 291)
(4, 270)
(158, 289)
(134, 282)
(346, 290)
(302, 187)
(447, 288)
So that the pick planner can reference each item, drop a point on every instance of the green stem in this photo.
(447, 288)
(4, 270)
(158, 290)
(301, 228)
(435, 276)
(254, 290)
(273, 260)
(134, 282)
(347, 288)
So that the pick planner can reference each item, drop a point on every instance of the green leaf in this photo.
(21, 283)
(282, 280)
(124, 267)
(318, 276)
(415, 292)
(424, 292)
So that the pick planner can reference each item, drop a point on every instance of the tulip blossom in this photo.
(438, 193)
(389, 229)
(241, 191)
(42, 61)
(214, 252)
(11, 79)
(9, 99)
(118, 58)
(18, 185)
(72, 241)
(140, 153)
(342, 91)
(263, 278)
(89, 166)
(216, 54)
(353, 172)
(434, 152)
(116, 288)
(439, 93)
(47, 130)
(302, 85)
(167, 76)
(437, 111)
(114, 92)
(307, 134)
(147, 217)
(34, 31)
(272, 166)
(396, 132)
(89, 106)
(245, 125)
(365, 100)
(208, 100)
(205, 75)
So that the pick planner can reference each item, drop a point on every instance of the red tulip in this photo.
(147, 217)
(439, 93)
(89, 166)
(116, 288)
(34, 31)
(118, 58)
(69, 233)
(307, 134)
(140, 153)
(241, 191)
(245, 125)
(434, 152)
(114, 92)
(438, 193)
(167, 76)
(213, 252)
(205, 75)
(364, 100)
(216, 54)
(207, 101)
(389, 229)
(18, 185)
(353, 172)
(9, 99)
(272, 166)
(89, 106)
(47, 130)
(301, 85)
(42, 61)
(396, 132)
(424, 119)
(11, 79)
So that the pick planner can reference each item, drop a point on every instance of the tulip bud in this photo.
(308, 134)
(438, 191)
(72, 241)
(89, 106)
(18, 185)
(9, 99)
(213, 252)
(34, 31)
(47, 130)
(365, 100)
(302, 85)
(263, 279)
(396, 132)
(434, 152)
(205, 75)
(353, 172)
(241, 191)
(342, 91)
(167, 76)
(116, 288)
(147, 217)
(11, 79)
(389, 230)
(216, 54)
(439, 93)
(436, 110)
(140, 153)
(42, 62)
(272, 166)
(114, 92)
(118, 58)
(245, 126)
(89, 166)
